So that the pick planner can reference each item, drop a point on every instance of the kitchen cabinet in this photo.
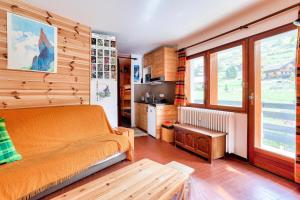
(141, 116)
(162, 113)
(148, 59)
(163, 63)
(157, 69)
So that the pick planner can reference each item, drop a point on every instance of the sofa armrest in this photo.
(128, 132)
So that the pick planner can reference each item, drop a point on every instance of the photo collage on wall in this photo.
(104, 57)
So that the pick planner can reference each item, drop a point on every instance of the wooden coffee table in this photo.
(143, 180)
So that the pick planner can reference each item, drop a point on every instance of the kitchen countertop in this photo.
(154, 104)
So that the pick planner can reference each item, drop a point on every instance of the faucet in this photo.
(153, 98)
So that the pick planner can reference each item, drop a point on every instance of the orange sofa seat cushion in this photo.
(55, 143)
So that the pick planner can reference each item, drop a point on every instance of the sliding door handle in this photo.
(251, 98)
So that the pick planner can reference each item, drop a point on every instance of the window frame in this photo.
(257, 155)
(276, 163)
(207, 78)
(202, 54)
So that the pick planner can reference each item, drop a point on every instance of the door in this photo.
(151, 121)
(142, 116)
(109, 99)
(272, 100)
(179, 136)
(124, 91)
(157, 69)
(189, 141)
(137, 113)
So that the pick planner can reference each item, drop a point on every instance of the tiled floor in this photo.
(139, 133)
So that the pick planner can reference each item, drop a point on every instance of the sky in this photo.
(23, 41)
(19, 23)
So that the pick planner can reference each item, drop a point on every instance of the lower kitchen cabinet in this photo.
(162, 113)
(141, 116)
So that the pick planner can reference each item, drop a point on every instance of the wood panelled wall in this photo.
(69, 86)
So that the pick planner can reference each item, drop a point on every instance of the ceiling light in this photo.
(297, 22)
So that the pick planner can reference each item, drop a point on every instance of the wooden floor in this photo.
(224, 179)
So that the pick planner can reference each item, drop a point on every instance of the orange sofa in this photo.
(58, 143)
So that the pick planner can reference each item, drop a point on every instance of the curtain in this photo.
(180, 98)
(297, 164)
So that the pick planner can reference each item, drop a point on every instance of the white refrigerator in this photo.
(104, 86)
(151, 120)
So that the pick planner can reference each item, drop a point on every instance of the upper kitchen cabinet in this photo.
(148, 59)
(163, 63)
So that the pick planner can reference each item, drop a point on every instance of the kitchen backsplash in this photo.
(166, 88)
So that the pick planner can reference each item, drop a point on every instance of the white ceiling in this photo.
(142, 25)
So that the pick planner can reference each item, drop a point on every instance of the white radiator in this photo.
(212, 119)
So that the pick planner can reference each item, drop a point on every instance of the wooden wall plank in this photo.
(28, 85)
(69, 86)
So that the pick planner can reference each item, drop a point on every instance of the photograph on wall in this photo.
(93, 59)
(100, 42)
(113, 54)
(136, 75)
(106, 52)
(113, 75)
(93, 41)
(106, 75)
(106, 60)
(100, 60)
(103, 91)
(113, 44)
(113, 68)
(100, 75)
(106, 43)
(31, 45)
(93, 52)
(113, 61)
(106, 67)
(100, 53)
(93, 67)
(100, 67)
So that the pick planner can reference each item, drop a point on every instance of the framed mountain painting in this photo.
(31, 45)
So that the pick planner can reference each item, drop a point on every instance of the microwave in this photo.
(147, 75)
(147, 78)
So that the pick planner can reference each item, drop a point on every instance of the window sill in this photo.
(272, 154)
(221, 108)
(278, 151)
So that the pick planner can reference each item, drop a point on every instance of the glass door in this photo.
(272, 100)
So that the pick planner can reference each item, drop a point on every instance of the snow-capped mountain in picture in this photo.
(31, 45)
(44, 60)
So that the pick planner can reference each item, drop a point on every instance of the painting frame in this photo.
(42, 48)
(136, 73)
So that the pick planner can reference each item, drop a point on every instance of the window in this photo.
(275, 93)
(197, 80)
(226, 77)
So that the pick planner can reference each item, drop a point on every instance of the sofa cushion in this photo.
(36, 130)
(8, 152)
(56, 143)
(34, 174)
